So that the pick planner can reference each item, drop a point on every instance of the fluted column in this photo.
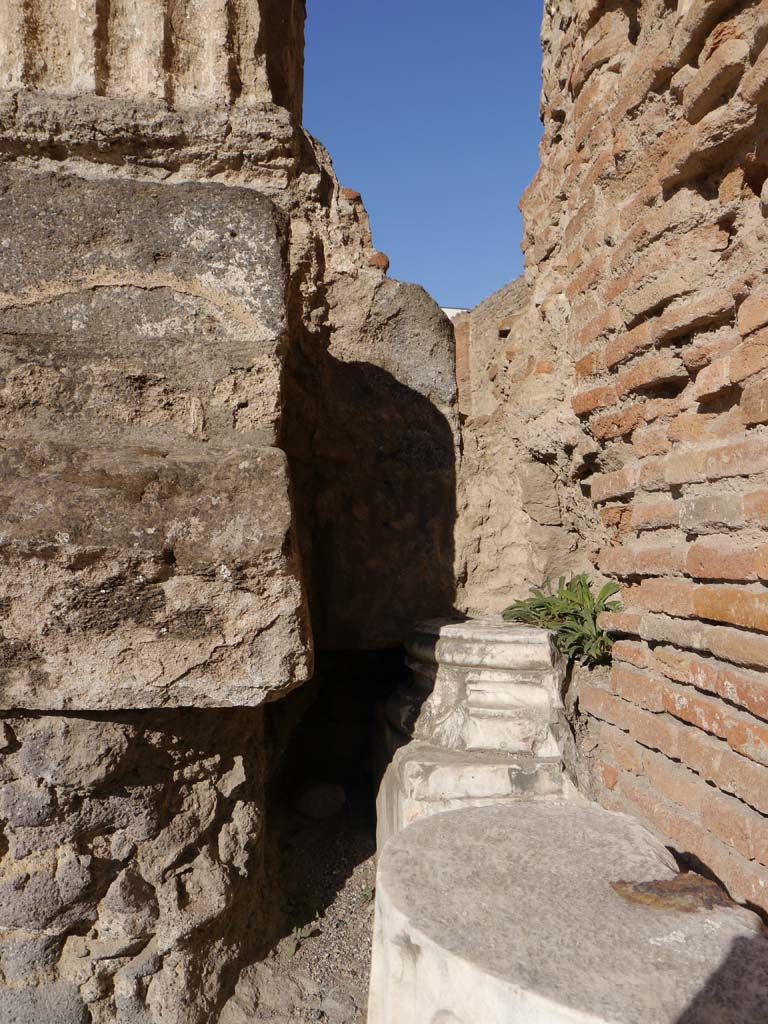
(188, 53)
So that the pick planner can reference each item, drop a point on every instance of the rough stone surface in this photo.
(52, 1004)
(480, 721)
(227, 113)
(147, 538)
(132, 876)
(371, 432)
(521, 516)
(507, 913)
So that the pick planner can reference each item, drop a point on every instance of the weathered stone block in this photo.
(146, 519)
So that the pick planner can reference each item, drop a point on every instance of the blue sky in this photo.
(430, 109)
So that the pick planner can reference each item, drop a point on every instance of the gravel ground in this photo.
(319, 969)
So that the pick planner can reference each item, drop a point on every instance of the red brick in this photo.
(607, 773)
(706, 309)
(710, 757)
(632, 652)
(736, 825)
(722, 558)
(616, 424)
(743, 733)
(625, 345)
(654, 515)
(587, 278)
(662, 408)
(756, 507)
(653, 474)
(638, 687)
(596, 398)
(704, 427)
(746, 881)
(749, 358)
(709, 347)
(651, 440)
(671, 284)
(735, 605)
(754, 402)
(711, 510)
(590, 364)
(741, 457)
(653, 371)
(669, 818)
(738, 646)
(673, 597)
(715, 762)
(690, 426)
(724, 642)
(753, 312)
(683, 212)
(616, 517)
(674, 782)
(620, 748)
(713, 78)
(578, 222)
(638, 560)
(713, 379)
(700, 149)
(607, 321)
(602, 52)
(754, 85)
(605, 706)
(620, 622)
(737, 686)
(614, 485)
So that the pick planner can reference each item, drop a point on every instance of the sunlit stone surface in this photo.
(506, 914)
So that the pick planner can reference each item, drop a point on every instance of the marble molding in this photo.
(480, 721)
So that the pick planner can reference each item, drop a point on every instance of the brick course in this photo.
(654, 181)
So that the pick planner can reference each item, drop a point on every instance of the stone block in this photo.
(424, 779)
(483, 713)
(147, 530)
(554, 913)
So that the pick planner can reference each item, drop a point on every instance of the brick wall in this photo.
(646, 234)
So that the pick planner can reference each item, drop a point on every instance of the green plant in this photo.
(571, 613)
(298, 936)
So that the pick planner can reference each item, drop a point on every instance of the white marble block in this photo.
(507, 915)
(479, 721)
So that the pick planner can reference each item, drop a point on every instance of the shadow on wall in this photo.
(375, 477)
(737, 993)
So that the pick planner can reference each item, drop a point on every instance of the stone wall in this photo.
(132, 879)
(522, 516)
(227, 438)
(645, 249)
